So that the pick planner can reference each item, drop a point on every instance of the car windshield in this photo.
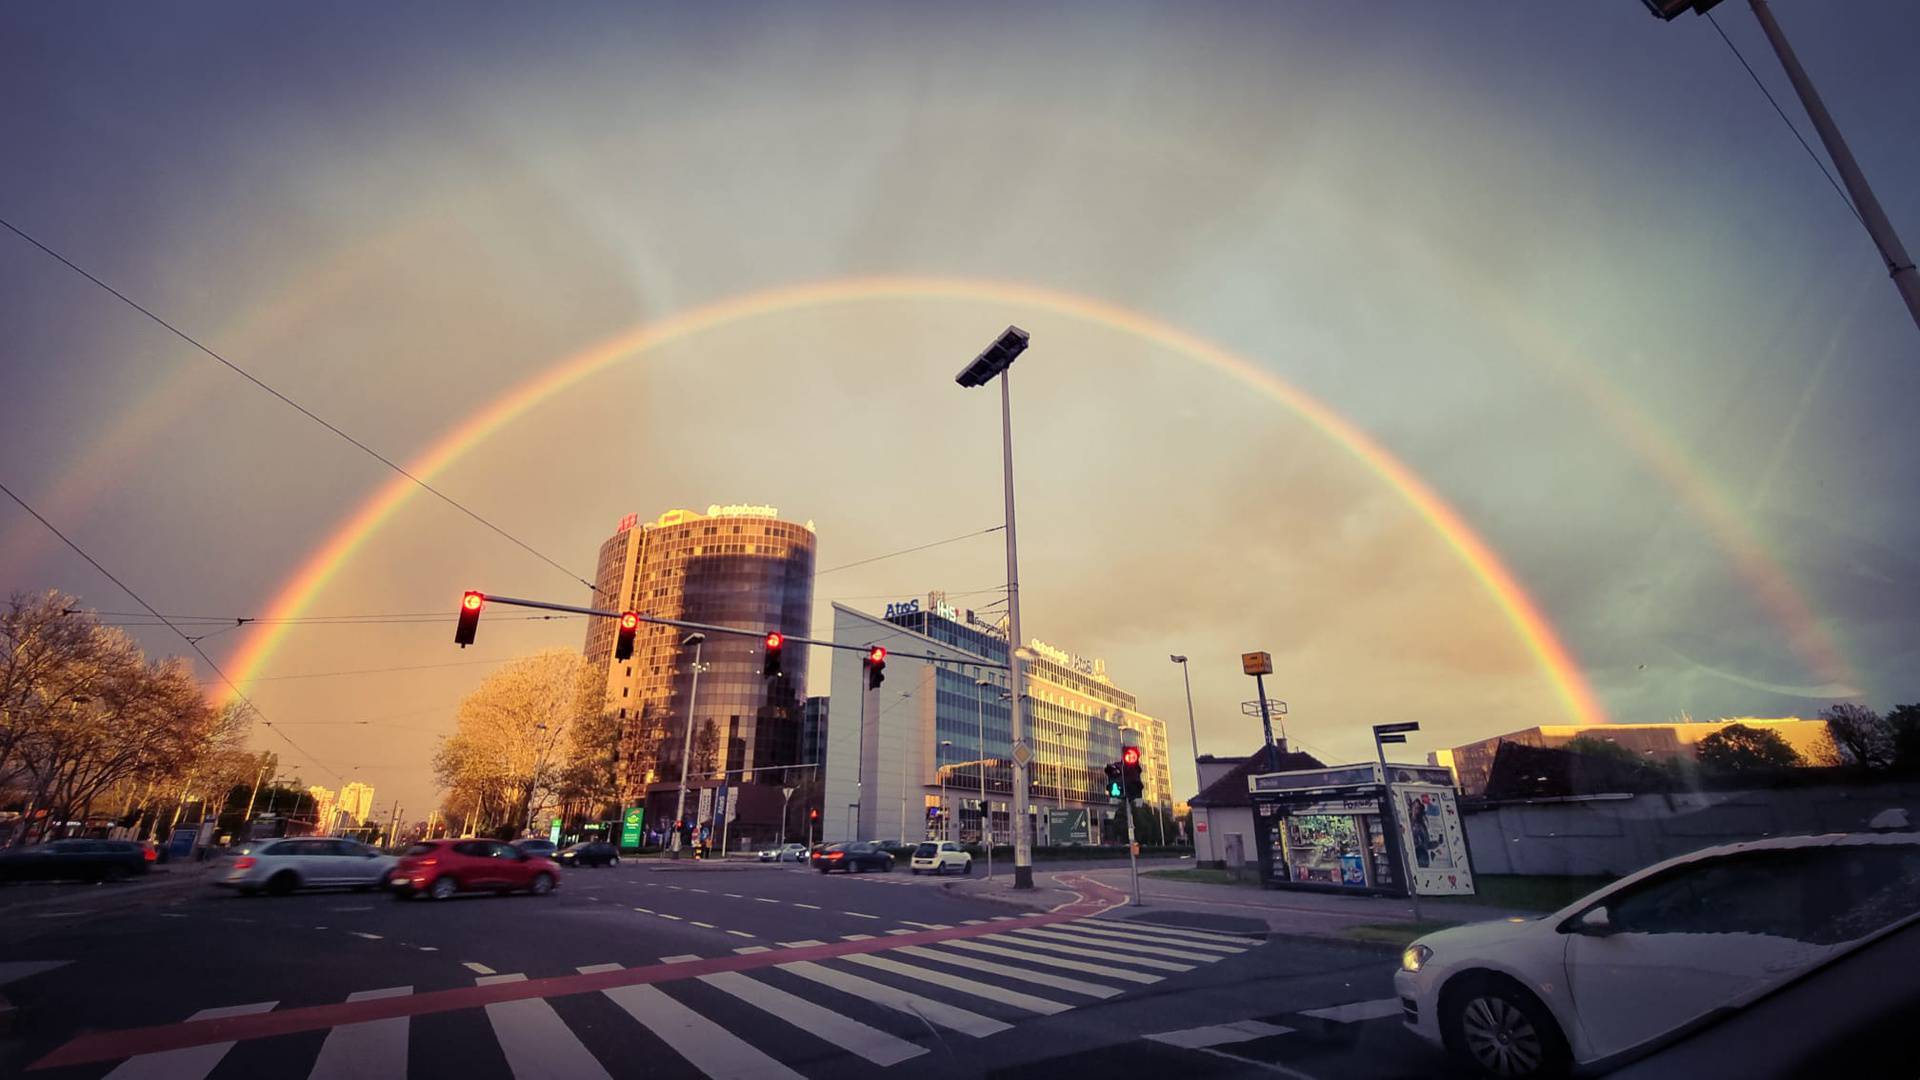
(1441, 599)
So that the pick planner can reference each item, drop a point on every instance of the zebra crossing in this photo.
(808, 1015)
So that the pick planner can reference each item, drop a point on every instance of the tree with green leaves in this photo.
(1903, 724)
(1738, 748)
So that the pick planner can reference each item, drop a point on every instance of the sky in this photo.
(1564, 263)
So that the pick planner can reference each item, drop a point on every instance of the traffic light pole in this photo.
(1133, 854)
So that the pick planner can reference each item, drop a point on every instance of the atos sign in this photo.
(904, 607)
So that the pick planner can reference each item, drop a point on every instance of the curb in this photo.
(993, 898)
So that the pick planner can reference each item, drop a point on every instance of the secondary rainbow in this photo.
(1538, 635)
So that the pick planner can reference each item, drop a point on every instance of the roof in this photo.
(1231, 789)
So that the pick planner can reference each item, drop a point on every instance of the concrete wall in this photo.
(1614, 835)
(1211, 848)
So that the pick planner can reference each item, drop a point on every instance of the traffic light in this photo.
(469, 618)
(1116, 782)
(876, 667)
(1130, 771)
(770, 667)
(814, 814)
(623, 640)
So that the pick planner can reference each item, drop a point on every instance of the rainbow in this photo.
(1541, 640)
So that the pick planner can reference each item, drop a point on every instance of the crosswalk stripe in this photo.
(933, 1012)
(871, 1043)
(926, 925)
(1148, 935)
(538, 1044)
(712, 1049)
(1356, 1011)
(1029, 1002)
(1054, 961)
(595, 969)
(1059, 934)
(188, 1062)
(1007, 971)
(1166, 931)
(495, 980)
(369, 1048)
(1093, 954)
(1200, 1038)
(803, 943)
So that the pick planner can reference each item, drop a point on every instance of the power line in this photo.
(377, 670)
(191, 642)
(1821, 165)
(907, 551)
(297, 407)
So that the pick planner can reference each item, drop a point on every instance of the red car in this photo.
(440, 868)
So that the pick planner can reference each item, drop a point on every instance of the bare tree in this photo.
(511, 746)
(1860, 734)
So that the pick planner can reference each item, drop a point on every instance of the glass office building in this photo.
(734, 566)
(914, 763)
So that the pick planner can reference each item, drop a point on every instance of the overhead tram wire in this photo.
(191, 642)
(301, 409)
(907, 551)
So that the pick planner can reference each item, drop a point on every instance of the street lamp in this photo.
(995, 360)
(946, 829)
(695, 639)
(1193, 733)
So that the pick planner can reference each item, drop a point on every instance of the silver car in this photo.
(306, 862)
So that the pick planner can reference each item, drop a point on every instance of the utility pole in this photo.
(1193, 733)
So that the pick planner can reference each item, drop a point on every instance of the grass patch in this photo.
(1525, 893)
(1399, 933)
(1204, 876)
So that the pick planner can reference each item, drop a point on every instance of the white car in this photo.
(1636, 964)
(302, 862)
(943, 857)
(785, 853)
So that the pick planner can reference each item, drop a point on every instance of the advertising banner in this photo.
(630, 824)
(1434, 839)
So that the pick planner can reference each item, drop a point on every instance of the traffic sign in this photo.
(1022, 753)
(1390, 738)
(1256, 663)
(1388, 729)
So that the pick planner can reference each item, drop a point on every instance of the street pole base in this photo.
(1023, 877)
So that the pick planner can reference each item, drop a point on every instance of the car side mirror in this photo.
(1597, 922)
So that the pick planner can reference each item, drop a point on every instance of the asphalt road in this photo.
(668, 969)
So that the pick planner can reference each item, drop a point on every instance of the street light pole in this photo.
(1193, 733)
(686, 741)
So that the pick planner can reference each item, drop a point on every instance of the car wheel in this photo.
(442, 888)
(967, 868)
(283, 883)
(1500, 1028)
(615, 861)
(542, 884)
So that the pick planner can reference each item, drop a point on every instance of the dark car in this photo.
(440, 868)
(537, 846)
(852, 857)
(589, 853)
(76, 860)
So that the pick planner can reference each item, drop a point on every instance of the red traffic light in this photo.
(775, 639)
(623, 638)
(469, 622)
(629, 621)
(877, 655)
(472, 601)
(1130, 755)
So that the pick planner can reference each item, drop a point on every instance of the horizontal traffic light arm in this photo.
(708, 628)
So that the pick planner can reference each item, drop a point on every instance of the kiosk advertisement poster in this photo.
(1435, 841)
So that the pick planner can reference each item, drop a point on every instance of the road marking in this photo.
(538, 1044)
(364, 934)
(1091, 954)
(319, 928)
(973, 922)
(428, 948)
(72, 914)
(676, 888)
(369, 1048)
(809, 907)
(856, 937)
(496, 980)
(191, 1062)
(664, 915)
(926, 925)
(691, 889)
(1004, 918)
(175, 915)
(1222, 936)
(683, 958)
(594, 969)
(734, 895)
(804, 943)
(1356, 1011)
(706, 1045)
(899, 932)
(1148, 934)
(1007, 971)
(595, 899)
(871, 1043)
(764, 900)
(644, 910)
(704, 925)
(860, 915)
(739, 933)
(746, 950)
(1055, 961)
(925, 1008)
(477, 969)
(1126, 948)
(1200, 1038)
(1043, 1006)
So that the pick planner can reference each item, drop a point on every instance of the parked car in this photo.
(944, 857)
(76, 860)
(537, 846)
(306, 862)
(1637, 964)
(785, 853)
(588, 853)
(852, 857)
(440, 868)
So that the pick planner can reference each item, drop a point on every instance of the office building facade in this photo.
(733, 566)
(909, 763)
